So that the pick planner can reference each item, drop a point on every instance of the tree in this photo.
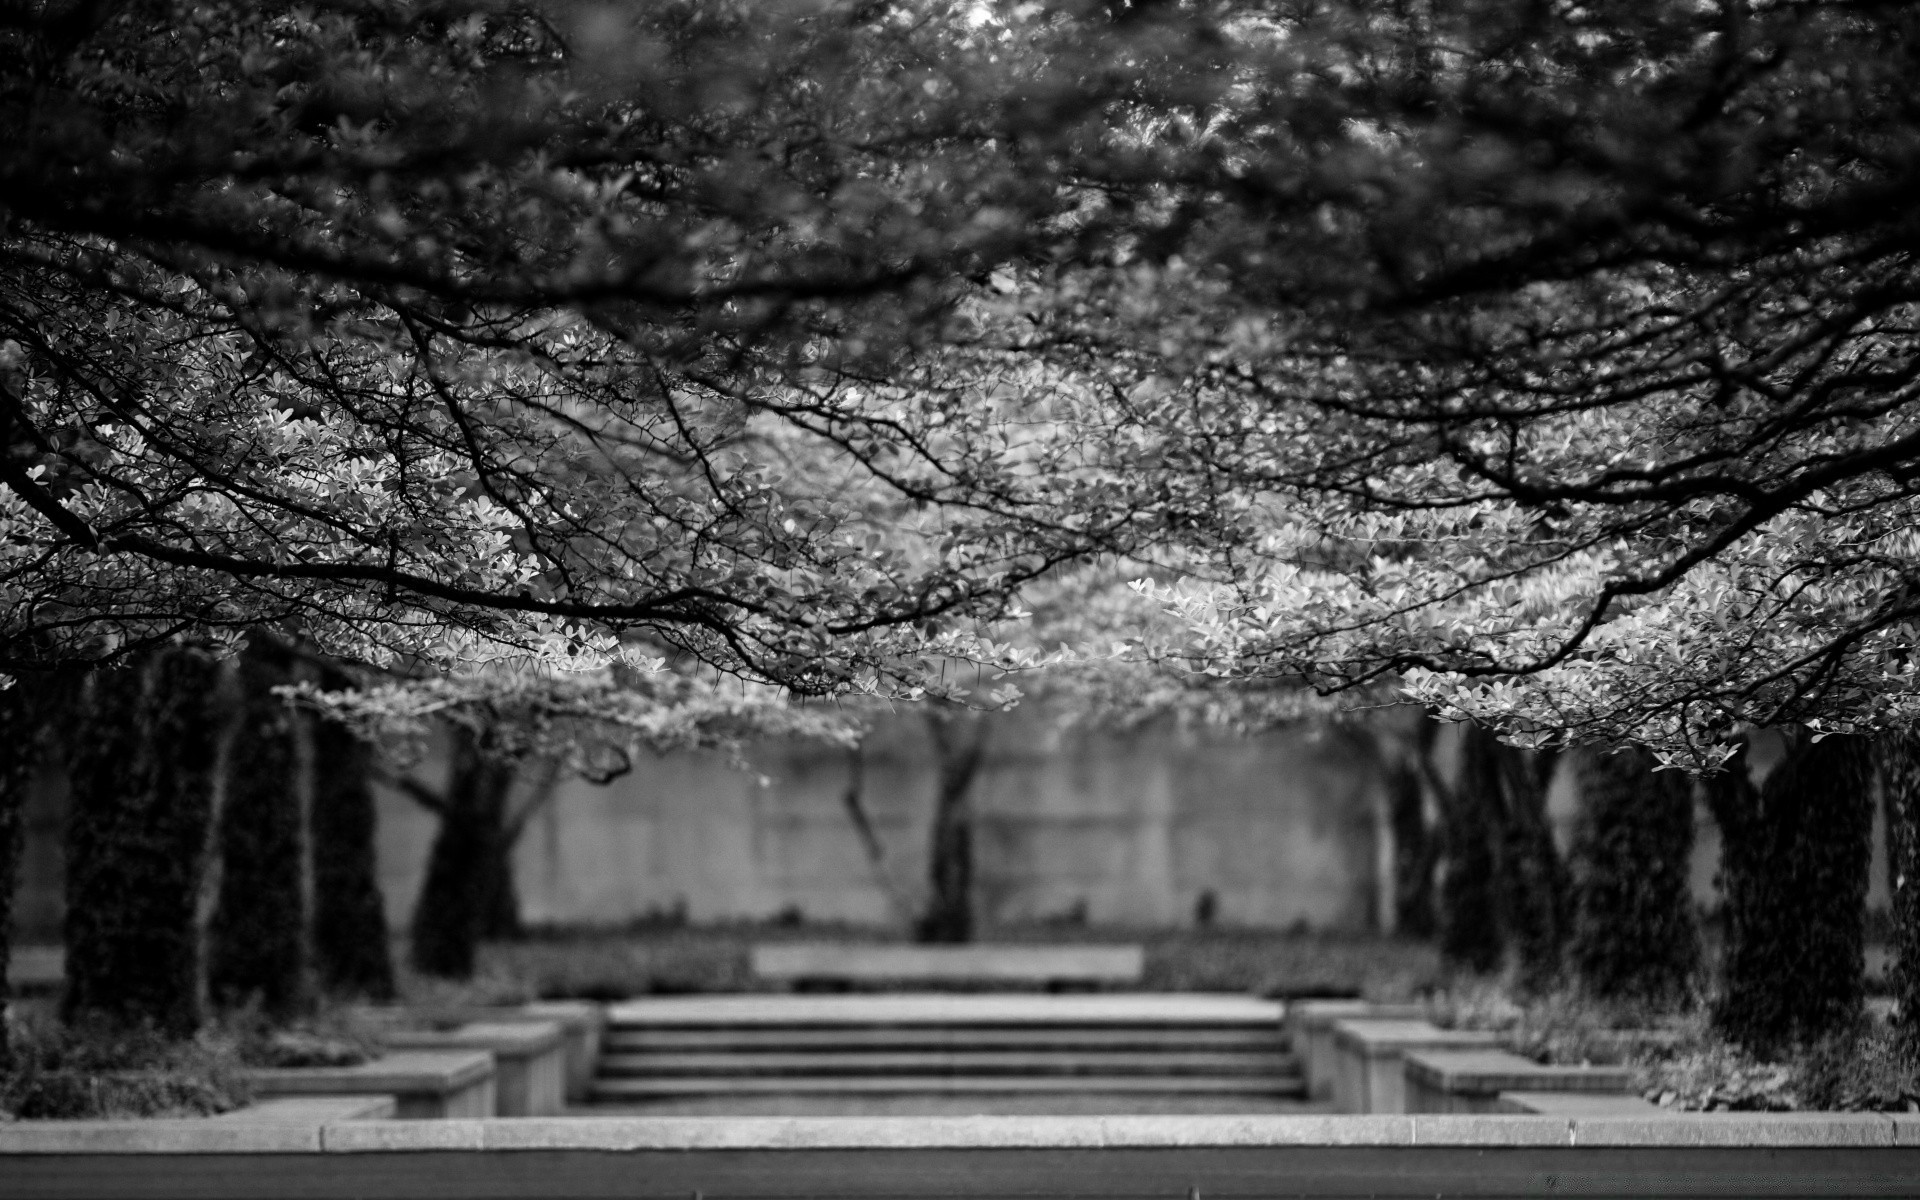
(1633, 936)
(483, 330)
(142, 766)
(434, 336)
(261, 936)
(1794, 870)
(506, 726)
(1897, 758)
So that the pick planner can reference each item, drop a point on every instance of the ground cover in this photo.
(97, 1070)
(1679, 1061)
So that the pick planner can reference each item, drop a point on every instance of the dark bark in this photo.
(468, 893)
(1532, 881)
(1634, 934)
(142, 770)
(1504, 889)
(260, 943)
(19, 748)
(1899, 764)
(351, 954)
(1471, 933)
(949, 916)
(1793, 868)
(1416, 846)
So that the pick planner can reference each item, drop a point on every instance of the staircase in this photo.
(1132, 1051)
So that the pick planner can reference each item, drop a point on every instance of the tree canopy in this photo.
(1550, 364)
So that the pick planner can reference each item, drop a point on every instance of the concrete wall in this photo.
(1118, 829)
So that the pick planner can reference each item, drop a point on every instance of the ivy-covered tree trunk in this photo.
(260, 943)
(1899, 765)
(350, 948)
(1504, 890)
(1471, 932)
(948, 917)
(1793, 868)
(19, 744)
(1416, 850)
(1532, 883)
(468, 893)
(142, 769)
(1634, 935)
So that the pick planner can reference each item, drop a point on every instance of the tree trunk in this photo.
(142, 770)
(261, 937)
(1793, 868)
(350, 947)
(1416, 849)
(1532, 883)
(1634, 935)
(949, 916)
(1471, 934)
(19, 746)
(1504, 889)
(468, 893)
(1899, 763)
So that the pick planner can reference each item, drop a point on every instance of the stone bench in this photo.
(1309, 1026)
(530, 1060)
(1468, 1081)
(844, 963)
(1369, 1075)
(582, 1022)
(423, 1083)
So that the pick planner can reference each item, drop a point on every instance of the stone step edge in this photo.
(1851, 1132)
(615, 1088)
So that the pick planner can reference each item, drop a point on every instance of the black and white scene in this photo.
(1175, 599)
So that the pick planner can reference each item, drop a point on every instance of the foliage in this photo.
(440, 335)
(1552, 366)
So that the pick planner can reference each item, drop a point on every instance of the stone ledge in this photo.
(506, 1039)
(1372, 1036)
(315, 1110)
(1678, 1130)
(437, 1072)
(1577, 1104)
(1487, 1072)
(873, 962)
(1310, 1015)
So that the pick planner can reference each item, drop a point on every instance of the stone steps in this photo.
(617, 1090)
(974, 1044)
(899, 1038)
(829, 1061)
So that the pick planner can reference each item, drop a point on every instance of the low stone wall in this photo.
(1214, 1157)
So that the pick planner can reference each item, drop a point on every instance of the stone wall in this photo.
(1112, 829)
